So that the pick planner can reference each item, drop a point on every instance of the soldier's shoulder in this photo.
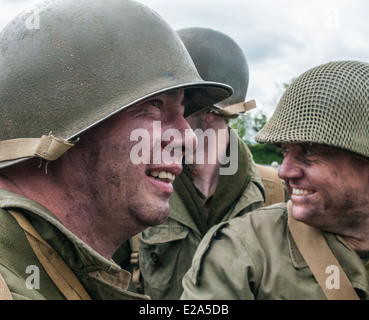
(264, 213)
(263, 219)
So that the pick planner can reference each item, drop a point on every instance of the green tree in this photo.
(260, 120)
(248, 125)
(243, 124)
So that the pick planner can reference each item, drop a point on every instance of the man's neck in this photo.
(72, 206)
(205, 177)
(357, 244)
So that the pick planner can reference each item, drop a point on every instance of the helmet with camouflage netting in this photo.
(327, 105)
(87, 61)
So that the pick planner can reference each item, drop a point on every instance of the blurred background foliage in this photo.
(247, 126)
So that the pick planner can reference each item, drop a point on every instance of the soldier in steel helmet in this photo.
(72, 93)
(316, 246)
(210, 190)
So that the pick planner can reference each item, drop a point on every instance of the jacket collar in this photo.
(252, 195)
(93, 270)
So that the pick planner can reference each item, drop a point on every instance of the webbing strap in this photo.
(62, 276)
(319, 256)
(136, 271)
(4, 290)
(47, 147)
(234, 109)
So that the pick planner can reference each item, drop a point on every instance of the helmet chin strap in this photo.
(234, 110)
(47, 147)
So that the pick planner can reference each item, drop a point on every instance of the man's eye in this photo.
(154, 103)
(307, 150)
(284, 151)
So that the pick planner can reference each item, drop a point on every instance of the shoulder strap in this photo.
(63, 277)
(4, 290)
(136, 272)
(273, 186)
(318, 256)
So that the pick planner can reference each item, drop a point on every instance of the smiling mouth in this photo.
(164, 176)
(301, 192)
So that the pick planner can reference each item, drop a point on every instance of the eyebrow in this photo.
(323, 150)
(175, 93)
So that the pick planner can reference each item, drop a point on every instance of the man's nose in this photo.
(180, 137)
(289, 168)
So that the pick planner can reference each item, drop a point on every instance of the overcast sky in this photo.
(280, 38)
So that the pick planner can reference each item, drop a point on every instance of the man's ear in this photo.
(210, 118)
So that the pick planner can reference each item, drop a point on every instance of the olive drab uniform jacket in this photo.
(260, 260)
(166, 250)
(41, 259)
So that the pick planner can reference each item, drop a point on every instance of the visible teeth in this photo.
(154, 173)
(163, 175)
(301, 191)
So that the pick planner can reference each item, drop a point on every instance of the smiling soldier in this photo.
(71, 93)
(219, 182)
(316, 246)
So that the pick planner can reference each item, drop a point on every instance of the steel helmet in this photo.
(88, 60)
(219, 58)
(327, 105)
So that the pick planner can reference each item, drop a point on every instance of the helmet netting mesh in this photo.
(327, 105)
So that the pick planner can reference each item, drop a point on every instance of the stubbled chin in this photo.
(298, 215)
(158, 214)
(304, 213)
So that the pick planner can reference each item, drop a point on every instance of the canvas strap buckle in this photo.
(47, 147)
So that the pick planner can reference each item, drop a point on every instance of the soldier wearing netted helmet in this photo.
(78, 94)
(316, 246)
